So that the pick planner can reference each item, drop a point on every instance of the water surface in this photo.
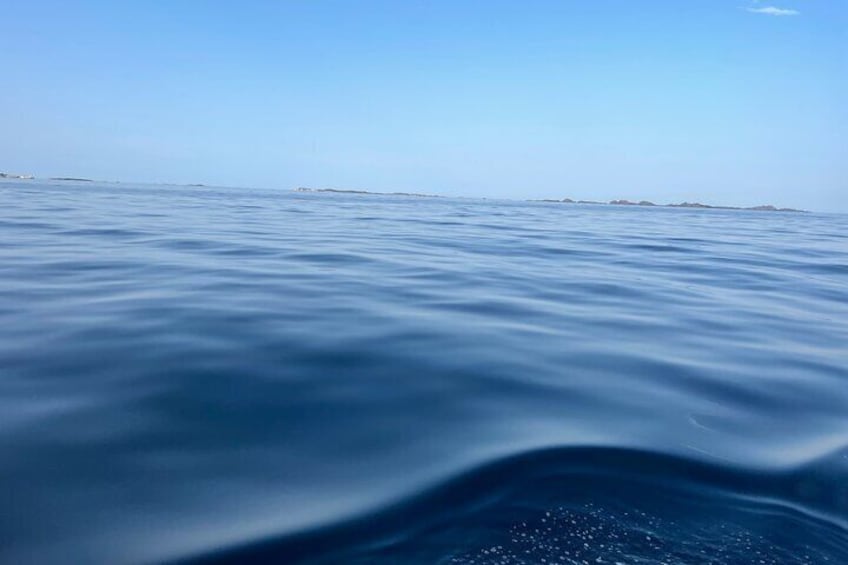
(215, 374)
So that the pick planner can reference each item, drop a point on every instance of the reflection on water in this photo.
(213, 373)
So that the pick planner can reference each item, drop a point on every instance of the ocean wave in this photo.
(589, 505)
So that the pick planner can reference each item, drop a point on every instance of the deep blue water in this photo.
(238, 375)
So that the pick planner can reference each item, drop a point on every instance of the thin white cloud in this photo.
(773, 11)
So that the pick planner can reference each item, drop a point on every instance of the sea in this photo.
(195, 374)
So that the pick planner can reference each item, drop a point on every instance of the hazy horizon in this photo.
(399, 192)
(726, 102)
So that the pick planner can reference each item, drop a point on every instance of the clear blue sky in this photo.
(725, 101)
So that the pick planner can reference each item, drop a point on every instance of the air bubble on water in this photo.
(587, 535)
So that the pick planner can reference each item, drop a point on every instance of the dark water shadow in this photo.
(587, 505)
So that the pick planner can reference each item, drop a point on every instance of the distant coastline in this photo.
(647, 203)
(344, 191)
(16, 176)
(619, 202)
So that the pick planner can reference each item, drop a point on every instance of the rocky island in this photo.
(761, 208)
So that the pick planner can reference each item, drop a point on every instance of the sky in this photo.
(736, 102)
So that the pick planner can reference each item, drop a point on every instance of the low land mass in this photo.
(761, 208)
(341, 191)
(621, 202)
